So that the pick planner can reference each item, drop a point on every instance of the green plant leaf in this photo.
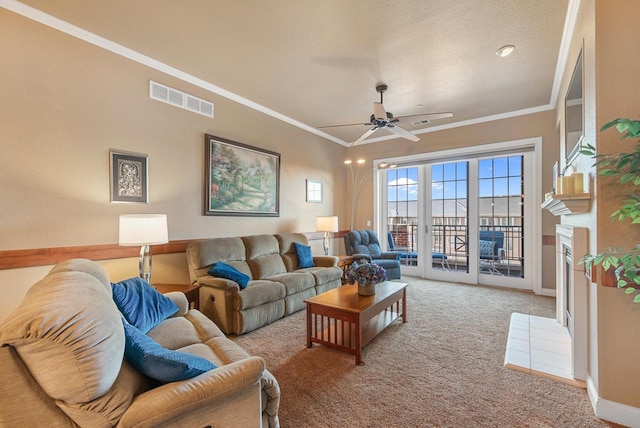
(636, 299)
(629, 290)
(609, 124)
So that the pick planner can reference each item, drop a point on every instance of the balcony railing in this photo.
(452, 240)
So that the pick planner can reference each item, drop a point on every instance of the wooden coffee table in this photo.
(343, 319)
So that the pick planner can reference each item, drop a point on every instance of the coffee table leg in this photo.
(308, 326)
(404, 305)
(358, 332)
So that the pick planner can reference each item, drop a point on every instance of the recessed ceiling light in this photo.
(419, 106)
(505, 50)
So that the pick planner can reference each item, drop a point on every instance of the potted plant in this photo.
(626, 166)
(366, 275)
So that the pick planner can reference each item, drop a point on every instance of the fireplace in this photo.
(571, 292)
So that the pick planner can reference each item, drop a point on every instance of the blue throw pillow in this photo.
(142, 305)
(223, 270)
(487, 248)
(305, 258)
(165, 365)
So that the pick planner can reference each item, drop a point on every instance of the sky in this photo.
(497, 177)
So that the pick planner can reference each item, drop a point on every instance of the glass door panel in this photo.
(402, 214)
(448, 220)
(501, 217)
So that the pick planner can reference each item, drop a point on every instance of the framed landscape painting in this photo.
(240, 180)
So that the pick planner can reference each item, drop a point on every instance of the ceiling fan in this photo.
(382, 119)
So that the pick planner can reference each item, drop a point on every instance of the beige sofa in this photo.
(277, 286)
(61, 354)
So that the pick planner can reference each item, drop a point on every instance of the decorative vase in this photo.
(367, 289)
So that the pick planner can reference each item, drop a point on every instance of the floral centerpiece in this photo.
(366, 275)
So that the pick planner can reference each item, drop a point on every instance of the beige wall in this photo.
(65, 103)
(608, 29)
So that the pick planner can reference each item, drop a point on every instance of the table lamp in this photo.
(326, 225)
(143, 230)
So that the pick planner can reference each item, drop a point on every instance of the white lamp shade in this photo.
(143, 229)
(327, 224)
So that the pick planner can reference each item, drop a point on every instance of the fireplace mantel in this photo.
(567, 204)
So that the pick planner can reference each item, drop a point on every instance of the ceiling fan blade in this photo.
(379, 112)
(426, 116)
(398, 130)
(347, 124)
(365, 135)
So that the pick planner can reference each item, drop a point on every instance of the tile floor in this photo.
(539, 346)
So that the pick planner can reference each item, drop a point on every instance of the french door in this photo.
(465, 220)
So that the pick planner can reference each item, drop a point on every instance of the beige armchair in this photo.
(61, 354)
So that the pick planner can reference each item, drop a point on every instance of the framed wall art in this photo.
(314, 191)
(129, 177)
(240, 180)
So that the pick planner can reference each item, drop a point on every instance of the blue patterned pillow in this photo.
(165, 365)
(487, 248)
(305, 258)
(223, 270)
(142, 305)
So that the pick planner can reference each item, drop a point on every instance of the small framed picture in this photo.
(129, 177)
(555, 178)
(314, 191)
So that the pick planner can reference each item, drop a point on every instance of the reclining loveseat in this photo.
(61, 353)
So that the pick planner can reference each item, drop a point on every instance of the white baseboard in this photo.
(612, 411)
(551, 292)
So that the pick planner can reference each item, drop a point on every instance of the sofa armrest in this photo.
(221, 283)
(179, 299)
(357, 257)
(171, 400)
(390, 255)
(325, 261)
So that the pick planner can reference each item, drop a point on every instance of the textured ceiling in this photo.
(319, 62)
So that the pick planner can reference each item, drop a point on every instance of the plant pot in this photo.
(367, 289)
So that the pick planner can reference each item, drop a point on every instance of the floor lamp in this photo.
(143, 230)
(357, 183)
(327, 225)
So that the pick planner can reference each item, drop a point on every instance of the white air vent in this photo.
(420, 122)
(179, 99)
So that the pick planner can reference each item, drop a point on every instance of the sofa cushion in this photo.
(141, 304)
(324, 275)
(202, 254)
(223, 270)
(68, 328)
(305, 257)
(159, 363)
(294, 282)
(263, 256)
(258, 293)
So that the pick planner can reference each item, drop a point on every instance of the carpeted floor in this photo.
(444, 368)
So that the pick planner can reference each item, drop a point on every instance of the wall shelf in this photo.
(567, 204)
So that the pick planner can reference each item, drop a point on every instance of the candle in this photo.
(567, 184)
(558, 185)
(578, 183)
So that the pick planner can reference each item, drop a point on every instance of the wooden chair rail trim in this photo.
(14, 259)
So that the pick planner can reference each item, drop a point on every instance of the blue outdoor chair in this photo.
(410, 258)
(491, 251)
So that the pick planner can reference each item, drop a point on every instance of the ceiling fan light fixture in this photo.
(505, 50)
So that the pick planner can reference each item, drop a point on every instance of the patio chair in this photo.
(410, 258)
(491, 251)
